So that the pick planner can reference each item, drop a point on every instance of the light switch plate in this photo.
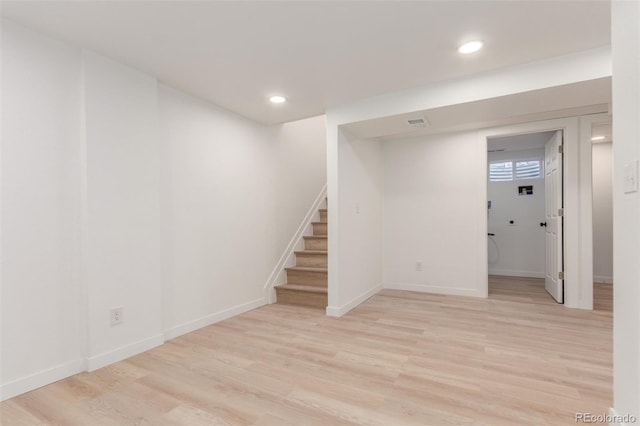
(630, 177)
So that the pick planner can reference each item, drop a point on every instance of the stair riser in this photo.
(319, 229)
(300, 298)
(323, 216)
(307, 278)
(315, 244)
(313, 260)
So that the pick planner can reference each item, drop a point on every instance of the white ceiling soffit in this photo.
(587, 97)
(519, 142)
(316, 53)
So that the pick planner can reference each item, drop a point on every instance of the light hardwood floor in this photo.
(531, 290)
(401, 358)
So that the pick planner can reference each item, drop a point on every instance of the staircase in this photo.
(307, 281)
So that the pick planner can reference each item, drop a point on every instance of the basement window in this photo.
(528, 169)
(504, 171)
(501, 171)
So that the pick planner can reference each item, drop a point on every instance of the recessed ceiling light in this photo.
(598, 138)
(278, 99)
(470, 47)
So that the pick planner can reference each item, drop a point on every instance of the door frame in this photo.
(578, 232)
(586, 206)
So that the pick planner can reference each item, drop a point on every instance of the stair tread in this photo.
(319, 223)
(302, 287)
(316, 236)
(306, 268)
(311, 252)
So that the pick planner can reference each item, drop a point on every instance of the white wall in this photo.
(123, 210)
(220, 224)
(234, 194)
(431, 186)
(120, 193)
(602, 212)
(519, 249)
(41, 297)
(626, 208)
(301, 151)
(359, 209)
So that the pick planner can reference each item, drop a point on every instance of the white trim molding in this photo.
(338, 311)
(207, 320)
(510, 273)
(124, 352)
(427, 288)
(288, 255)
(41, 378)
(59, 372)
(586, 207)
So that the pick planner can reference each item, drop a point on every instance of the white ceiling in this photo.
(316, 53)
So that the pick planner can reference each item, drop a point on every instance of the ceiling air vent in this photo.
(417, 122)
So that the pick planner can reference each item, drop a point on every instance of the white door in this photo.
(554, 282)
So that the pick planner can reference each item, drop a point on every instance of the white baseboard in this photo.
(424, 288)
(335, 311)
(123, 352)
(62, 371)
(277, 274)
(41, 378)
(206, 320)
(603, 280)
(510, 273)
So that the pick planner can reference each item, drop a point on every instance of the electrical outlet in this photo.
(116, 316)
(419, 266)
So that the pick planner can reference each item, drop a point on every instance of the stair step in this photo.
(307, 276)
(303, 288)
(301, 295)
(315, 242)
(312, 258)
(307, 281)
(319, 228)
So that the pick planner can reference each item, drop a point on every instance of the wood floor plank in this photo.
(401, 358)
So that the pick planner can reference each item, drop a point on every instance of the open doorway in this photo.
(524, 205)
(602, 184)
